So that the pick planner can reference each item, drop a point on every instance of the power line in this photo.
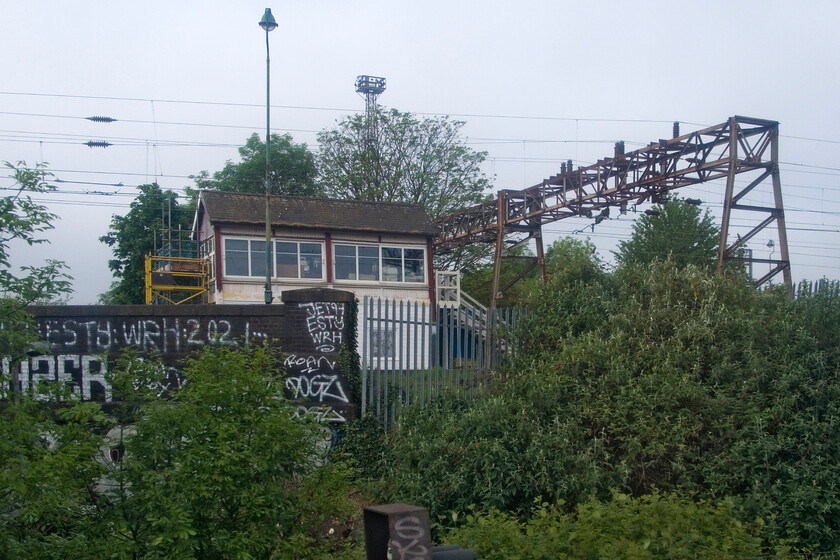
(145, 142)
(169, 123)
(810, 139)
(347, 110)
(175, 101)
(333, 109)
(809, 166)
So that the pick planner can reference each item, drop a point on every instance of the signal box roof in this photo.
(314, 213)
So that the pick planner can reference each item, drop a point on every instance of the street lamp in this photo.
(269, 24)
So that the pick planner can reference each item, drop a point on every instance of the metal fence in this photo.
(412, 352)
(824, 286)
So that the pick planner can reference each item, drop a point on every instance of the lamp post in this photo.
(269, 24)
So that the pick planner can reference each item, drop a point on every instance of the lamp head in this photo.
(268, 22)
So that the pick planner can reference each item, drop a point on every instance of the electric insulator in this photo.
(97, 144)
(101, 119)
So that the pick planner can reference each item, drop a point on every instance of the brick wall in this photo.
(310, 327)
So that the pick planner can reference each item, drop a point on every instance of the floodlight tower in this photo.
(371, 87)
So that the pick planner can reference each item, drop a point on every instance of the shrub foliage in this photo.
(220, 469)
(622, 528)
(655, 378)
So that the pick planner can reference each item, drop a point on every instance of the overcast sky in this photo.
(537, 82)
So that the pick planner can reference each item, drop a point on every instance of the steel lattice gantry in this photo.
(741, 145)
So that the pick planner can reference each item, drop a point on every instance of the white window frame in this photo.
(298, 243)
(274, 242)
(403, 249)
(356, 247)
(380, 264)
(247, 240)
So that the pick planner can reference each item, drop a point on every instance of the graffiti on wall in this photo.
(80, 351)
(318, 381)
(164, 335)
(325, 324)
(83, 374)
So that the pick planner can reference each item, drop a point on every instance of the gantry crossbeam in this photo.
(739, 145)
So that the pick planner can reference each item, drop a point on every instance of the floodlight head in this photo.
(268, 22)
(370, 85)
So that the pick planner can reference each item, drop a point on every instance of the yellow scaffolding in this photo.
(177, 280)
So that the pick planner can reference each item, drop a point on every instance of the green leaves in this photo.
(133, 237)
(47, 473)
(657, 378)
(622, 528)
(676, 231)
(423, 161)
(23, 219)
(293, 169)
(222, 468)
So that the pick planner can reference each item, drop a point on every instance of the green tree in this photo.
(672, 230)
(220, 468)
(133, 236)
(561, 256)
(293, 169)
(41, 483)
(48, 471)
(423, 161)
(568, 253)
(22, 220)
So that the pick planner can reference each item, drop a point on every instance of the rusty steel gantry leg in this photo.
(533, 230)
(732, 201)
(538, 240)
(727, 198)
(780, 214)
(495, 293)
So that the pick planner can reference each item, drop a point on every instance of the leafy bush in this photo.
(47, 469)
(360, 446)
(652, 378)
(625, 528)
(220, 469)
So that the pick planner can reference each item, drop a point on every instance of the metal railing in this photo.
(413, 352)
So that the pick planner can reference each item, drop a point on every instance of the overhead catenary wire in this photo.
(355, 110)
(129, 142)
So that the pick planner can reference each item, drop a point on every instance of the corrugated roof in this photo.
(317, 213)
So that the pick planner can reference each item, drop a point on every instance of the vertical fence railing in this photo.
(824, 287)
(414, 351)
